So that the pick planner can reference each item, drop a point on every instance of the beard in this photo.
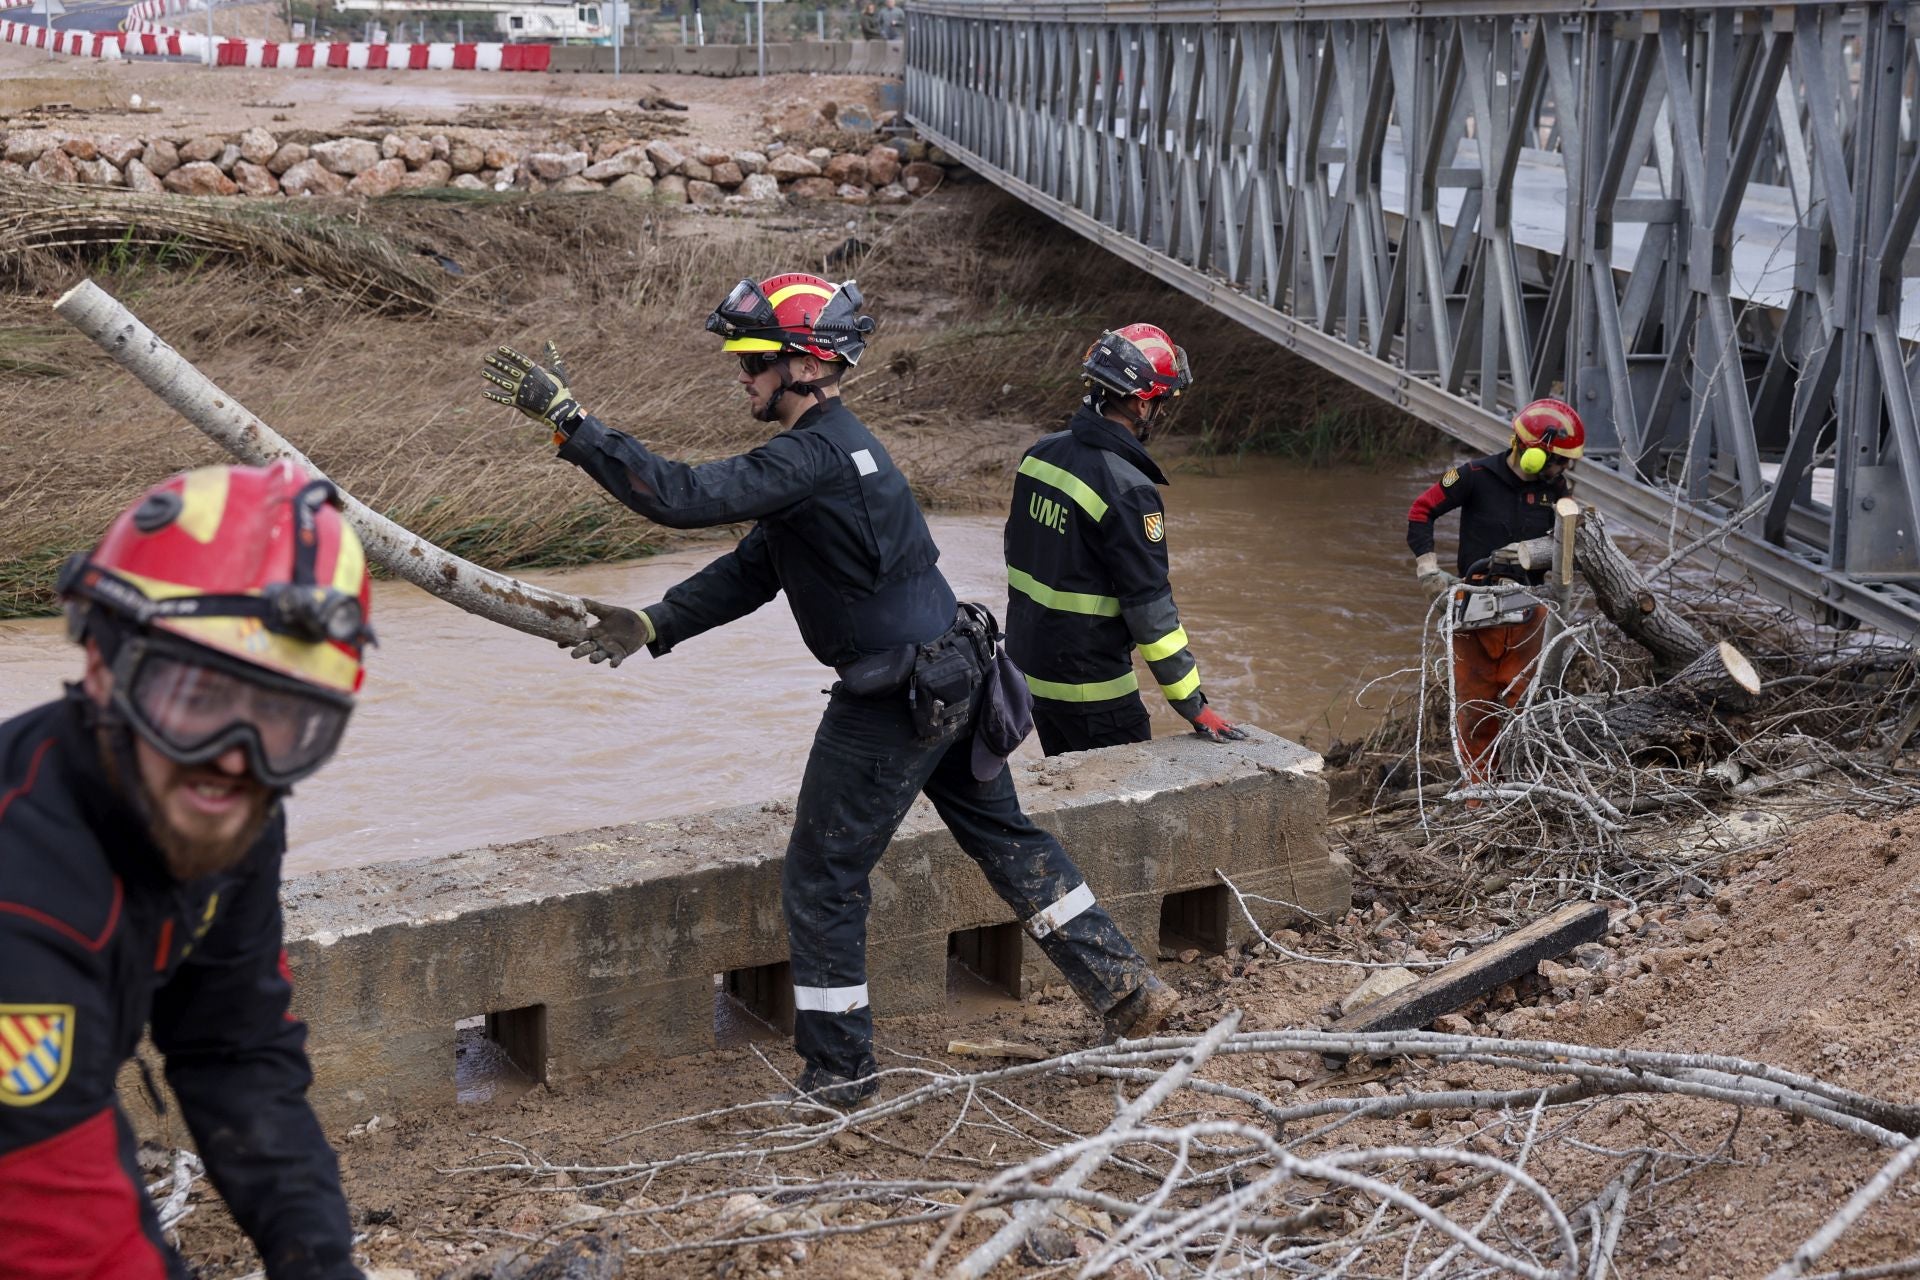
(186, 856)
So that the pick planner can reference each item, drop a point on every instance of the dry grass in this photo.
(985, 309)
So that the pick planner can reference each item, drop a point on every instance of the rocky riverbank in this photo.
(257, 162)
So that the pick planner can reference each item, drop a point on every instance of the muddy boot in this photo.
(1142, 1013)
(820, 1088)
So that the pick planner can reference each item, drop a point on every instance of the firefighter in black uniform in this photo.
(1506, 503)
(838, 529)
(141, 836)
(1086, 547)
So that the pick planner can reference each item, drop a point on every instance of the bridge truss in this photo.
(1384, 189)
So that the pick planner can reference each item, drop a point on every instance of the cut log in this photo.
(1677, 718)
(1445, 990)
(1623, 595)
(188, 392)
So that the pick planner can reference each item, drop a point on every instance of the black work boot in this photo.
(1144, 1011)
(819, 1087)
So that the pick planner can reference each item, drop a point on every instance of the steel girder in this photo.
(1385, 192)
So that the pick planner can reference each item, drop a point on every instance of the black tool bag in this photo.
(1005, 717)
(946, 675)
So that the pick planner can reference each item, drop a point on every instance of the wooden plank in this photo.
(1445, 990)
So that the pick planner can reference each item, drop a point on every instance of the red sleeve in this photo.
(1438, 499)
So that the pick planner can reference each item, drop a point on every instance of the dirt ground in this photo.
(1804, 953)
(727, 113)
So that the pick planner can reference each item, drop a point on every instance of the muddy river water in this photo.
(1295, 585)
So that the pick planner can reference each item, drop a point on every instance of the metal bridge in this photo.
(1693, 220)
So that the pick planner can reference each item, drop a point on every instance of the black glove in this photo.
(616, 636)
(541, 395)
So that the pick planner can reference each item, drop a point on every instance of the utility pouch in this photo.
(940, 694)
(879, 674)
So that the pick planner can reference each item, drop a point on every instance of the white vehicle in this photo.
(546, 22)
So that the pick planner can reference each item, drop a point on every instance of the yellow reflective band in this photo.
(1166, 646)
(1181, 690)
(750, 344)
(203, 501)
(1062, 601)
(1100, 692)
(781, 295)
(1068, 483)
(350, 563)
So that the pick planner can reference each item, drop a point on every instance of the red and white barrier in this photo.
(80, 44)
(149, 10)
(144, 38)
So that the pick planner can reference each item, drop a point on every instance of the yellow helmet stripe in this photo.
(350, 565)
(750, 344)
(203, 501)
(812, 290)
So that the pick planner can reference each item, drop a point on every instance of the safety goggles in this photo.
(745, 310)
(193, 705)
(755, 363)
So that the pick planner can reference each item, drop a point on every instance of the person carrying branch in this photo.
(1506, 504)
(223, 616)
(1087, 568)
(837, 528)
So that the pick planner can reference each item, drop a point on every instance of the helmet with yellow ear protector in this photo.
(1545, 429)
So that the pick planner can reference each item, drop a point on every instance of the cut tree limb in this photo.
(1678, 716)
(552, 615)
(1447, 989)
(1625, 598)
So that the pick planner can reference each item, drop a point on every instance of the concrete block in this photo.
(619, 932)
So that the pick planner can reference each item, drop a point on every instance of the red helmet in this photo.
(1137, 360)
(1547, 427)
(232, 603)
(796, 312)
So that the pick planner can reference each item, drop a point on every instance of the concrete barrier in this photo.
(848, 57)
(604, 947)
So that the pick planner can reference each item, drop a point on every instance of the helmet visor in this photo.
(192, 712)
(746, 308)
(1182, 372)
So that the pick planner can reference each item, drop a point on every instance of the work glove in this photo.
(541, 395)
(617, 634)
(1210, 725)
(1534, 553)
(1434, 580)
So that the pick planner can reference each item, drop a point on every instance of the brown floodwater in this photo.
(1294, 584)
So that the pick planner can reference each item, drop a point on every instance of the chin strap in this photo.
(1136, 422)
(772, 412)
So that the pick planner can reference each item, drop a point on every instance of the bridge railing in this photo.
(1385, 189)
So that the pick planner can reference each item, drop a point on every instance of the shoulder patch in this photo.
(36, 1048)
(1452, 477)
(1156, 525)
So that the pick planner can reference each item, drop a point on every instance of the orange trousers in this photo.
(1486, 665)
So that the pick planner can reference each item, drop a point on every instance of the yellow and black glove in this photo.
(541, 395)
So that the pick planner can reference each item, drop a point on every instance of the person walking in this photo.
(837, 528)
(1504, 500)
(1087, 568)
(223, 618)
(869, 22)
(893, 21)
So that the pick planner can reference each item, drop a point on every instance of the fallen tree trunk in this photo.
(1623, 595)
(1678, 716)
(496, 597)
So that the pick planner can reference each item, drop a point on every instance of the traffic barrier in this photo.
(78, 44)
(605, 948)
(146, 38)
